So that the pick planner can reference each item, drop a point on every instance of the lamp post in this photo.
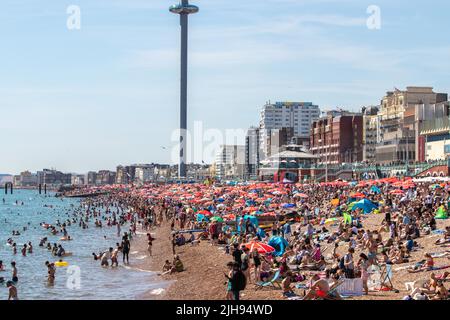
(183, 9)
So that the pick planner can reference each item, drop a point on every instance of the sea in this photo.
(83, 278)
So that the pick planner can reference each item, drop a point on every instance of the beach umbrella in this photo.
(358, 195)
(229, 216)
(301, 195)
(397, 192)
(250, 209)
(366, 205)
(205, 213)
(288, 205)
(261, 247)
(217, 219)
(269, 214)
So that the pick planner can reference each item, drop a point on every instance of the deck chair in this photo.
(333, 290)
(272, 283)
(386, 277)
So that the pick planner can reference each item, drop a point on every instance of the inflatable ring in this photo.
(61, 264)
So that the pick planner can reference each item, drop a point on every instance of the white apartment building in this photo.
(230, 162)
(144, 174)
(296, 115)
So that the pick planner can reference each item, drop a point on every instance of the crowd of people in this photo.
(305, 239)
(320, 229)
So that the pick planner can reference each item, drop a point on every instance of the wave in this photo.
(137, 269)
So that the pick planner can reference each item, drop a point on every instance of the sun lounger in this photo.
(272, 283)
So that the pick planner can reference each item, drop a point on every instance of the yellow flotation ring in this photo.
(61, 264)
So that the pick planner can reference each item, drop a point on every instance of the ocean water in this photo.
(84, 279)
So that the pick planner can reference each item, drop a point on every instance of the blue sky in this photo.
(107, 94)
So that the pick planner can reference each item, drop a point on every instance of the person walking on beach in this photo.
(238, 281)
(150, 243)
(174, 243)
(126, 246)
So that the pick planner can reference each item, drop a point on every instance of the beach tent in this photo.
(366, 205)
(441, 213)
(279, 244)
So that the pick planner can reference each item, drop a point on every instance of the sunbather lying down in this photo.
(442, 241)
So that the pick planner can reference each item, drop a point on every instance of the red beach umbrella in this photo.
(205, 213)
(261, 247)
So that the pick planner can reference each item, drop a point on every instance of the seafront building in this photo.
(26, 179)
(337, 138)
(292, 164)
(435, 131)
(78, 179)
(400, 122)
(371, 133)
(295, 115)
(230, 162)
(252, 153)
(125, 174)
(52, 177)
